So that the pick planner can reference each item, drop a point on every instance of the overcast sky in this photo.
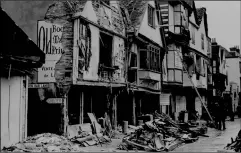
(223, 21)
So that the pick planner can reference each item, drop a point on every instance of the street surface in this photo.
(217, 140)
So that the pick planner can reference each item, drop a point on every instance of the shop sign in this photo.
(55, 100)
(49, 37)
(38, 85)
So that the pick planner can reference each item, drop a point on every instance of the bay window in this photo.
(150, 58)
(174, 64)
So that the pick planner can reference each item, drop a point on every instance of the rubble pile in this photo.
(161, 134)
(85, 135)
(46, 142)
(235, 145)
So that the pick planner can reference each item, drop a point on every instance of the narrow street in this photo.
(217, 140)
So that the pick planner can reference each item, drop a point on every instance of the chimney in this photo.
(214, 41)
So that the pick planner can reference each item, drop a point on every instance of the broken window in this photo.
(105, 58)
(151, 16)
(83, 38)
(150, 58)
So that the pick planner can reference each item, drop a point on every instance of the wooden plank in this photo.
(81, 118)
(65, 116)
(133, 110)
(94, 122)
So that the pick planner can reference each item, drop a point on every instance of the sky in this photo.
(223, 21)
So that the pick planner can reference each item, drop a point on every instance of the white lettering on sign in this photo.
(54, 100)
(49, 41)
(38, 85)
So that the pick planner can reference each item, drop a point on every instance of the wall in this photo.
(202, 82)
(171, 18)
(108, 17)
(233, 71)
(150, 32)
(198, 32)
(13, 110)
(198, 104)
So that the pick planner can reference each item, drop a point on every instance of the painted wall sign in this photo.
(38, 85)
(49, 41)
(54, 100)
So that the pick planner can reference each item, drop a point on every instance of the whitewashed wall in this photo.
(13, 110)
(150, 32)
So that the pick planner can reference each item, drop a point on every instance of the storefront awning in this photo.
(165, 99)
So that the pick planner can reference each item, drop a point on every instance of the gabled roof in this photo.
(201, 14)
(65, 8)
(136, 10)
(18, 50)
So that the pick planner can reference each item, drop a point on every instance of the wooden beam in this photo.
(81, 118)
(65, 113)
(133, 110)
(114, 113)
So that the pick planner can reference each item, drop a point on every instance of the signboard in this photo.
(49, 41)
(38, 85)
(55, 100)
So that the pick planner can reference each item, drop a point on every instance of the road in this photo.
(217, 140)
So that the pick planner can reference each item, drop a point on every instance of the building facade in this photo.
(188, 45)
(233, 76)
(19, 58)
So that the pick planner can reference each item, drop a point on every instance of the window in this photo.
(193, 36)
(202, 39)
(105, 50)
(150, 58)
(132, 73)
(82, 31)
(198, 64)
(151, 16)
(240, 67)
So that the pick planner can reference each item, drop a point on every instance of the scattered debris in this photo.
(46, 142)
(235, 145)
(161, 134)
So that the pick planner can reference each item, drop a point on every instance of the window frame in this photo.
(202, 41)
(193, 36)
(151, 16)
(153, 61)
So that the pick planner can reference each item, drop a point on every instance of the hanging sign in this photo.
(38, 85)
(55, 100)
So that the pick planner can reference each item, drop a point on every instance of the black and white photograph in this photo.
(120, 76)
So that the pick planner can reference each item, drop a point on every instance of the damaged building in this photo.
(185, 64)
(99, 59)
(118, 60)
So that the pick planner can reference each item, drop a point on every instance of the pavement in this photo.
(217, 140)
